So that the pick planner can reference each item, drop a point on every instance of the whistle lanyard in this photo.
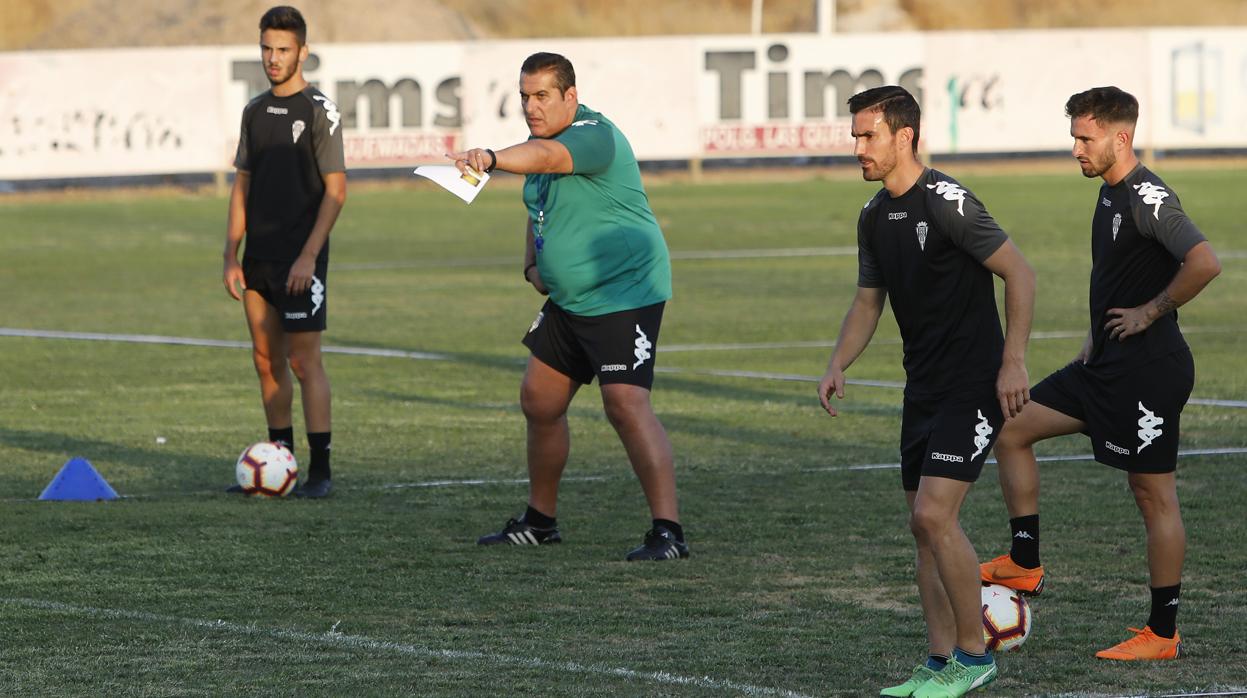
(539, 241)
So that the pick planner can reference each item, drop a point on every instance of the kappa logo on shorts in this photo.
(318, 294)
(1147, 427)
(946, 457)
(983, 431)
(296, 129)
(921, 229)
(1115, 448)
(1116, 225)
(643, 346)
(611, 368)
(537, 322)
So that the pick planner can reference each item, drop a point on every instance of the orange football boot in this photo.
(1003, 570)
(1144, 645)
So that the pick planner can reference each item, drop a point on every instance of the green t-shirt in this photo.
(601, 248)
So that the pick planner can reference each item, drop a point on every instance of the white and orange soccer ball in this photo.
(1007, 619)
(267, 469)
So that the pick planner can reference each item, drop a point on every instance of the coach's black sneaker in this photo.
(660, 544)
(517, 532)
(314, 489)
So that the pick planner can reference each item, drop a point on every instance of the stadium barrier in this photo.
(123, 112)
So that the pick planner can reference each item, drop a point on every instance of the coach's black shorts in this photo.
(949, 437)
(304, 312)
(1132, 417)
(616, 347)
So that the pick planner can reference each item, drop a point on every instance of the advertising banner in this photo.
(109, 112)
(785, 95)
(1006, 91)
(1199, 88)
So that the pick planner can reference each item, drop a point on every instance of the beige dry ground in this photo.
(60, 24)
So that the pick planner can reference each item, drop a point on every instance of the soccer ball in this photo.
(267, 469)
(1006, 618)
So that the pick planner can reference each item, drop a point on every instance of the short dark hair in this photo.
(564, 73)
(899, 108)
(285, 18)
(1104, 104)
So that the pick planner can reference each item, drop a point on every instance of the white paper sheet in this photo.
(463, 185)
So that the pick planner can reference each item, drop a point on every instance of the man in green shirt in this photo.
(594, 246)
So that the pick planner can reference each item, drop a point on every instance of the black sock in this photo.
(283, 436)
(672, 526)
(319, 444)
(1164, 617)
(1025, 550)
(537, 519)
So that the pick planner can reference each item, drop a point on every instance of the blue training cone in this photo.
(78, 481)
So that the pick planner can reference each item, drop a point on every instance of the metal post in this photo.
(825, 16)
(755, 18)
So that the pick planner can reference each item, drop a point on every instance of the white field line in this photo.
(429, 356)
(198, 342)
(1188, 453)
(366, 644)
(452, 263)
(476, 483)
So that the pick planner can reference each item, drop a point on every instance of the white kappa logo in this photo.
(297, 129)
(1024, 534)
(921, 229)
(1147, 427)
(331, 112)
(950, 192)
(982, 430)
(1153, 196)
(643, 346)
(537, 322)
(585, 122)
(1116, 225)
(318, 294)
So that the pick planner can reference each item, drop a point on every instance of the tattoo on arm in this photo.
(1164, 304)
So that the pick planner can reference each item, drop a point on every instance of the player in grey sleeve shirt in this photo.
(927, 242)
(288, 191)
(1127, 386)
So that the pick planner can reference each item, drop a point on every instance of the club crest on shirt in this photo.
(1116, 225)
(297, 129)
(921, 229)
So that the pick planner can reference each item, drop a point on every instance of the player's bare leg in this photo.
(1014, 451)
(545, 395)
(305, 361)
(649, 450)
(1156, 494)
(936, 611)
(935, 525)
(269, 349)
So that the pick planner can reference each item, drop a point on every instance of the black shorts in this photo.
(304, 312)
(1132, 417)
(949, 437)
(616, 347)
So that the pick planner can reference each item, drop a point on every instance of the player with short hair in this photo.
(288, 191)
(928, 243)
(1127, 387)
(594, 246)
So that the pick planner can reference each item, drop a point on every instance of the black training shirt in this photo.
(1139, 237)
(287, 144)
(927, 248)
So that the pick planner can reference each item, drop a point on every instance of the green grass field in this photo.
(801, 577)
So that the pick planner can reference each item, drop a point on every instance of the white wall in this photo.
(134, 111)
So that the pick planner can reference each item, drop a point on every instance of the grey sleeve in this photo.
(242, 158)
(868, 274)
(1165, 222)
(327, 136)
(969, 226)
